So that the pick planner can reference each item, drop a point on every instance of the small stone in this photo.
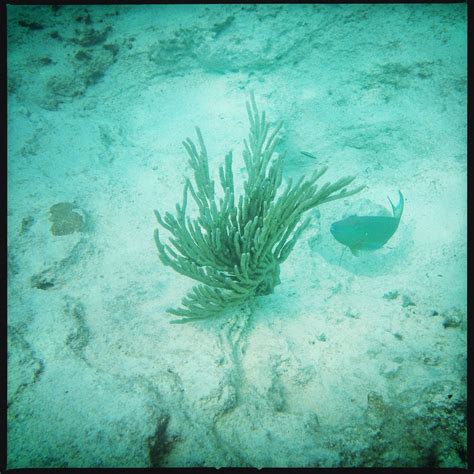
(42, 282)
(390, 369)
(352, 314)
(453, 319)
(375, 401)
(391, 295)
(26, 223)
(376, 409)
(407, 301)
(431, 360)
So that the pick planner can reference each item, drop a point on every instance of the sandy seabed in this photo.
(352, 361)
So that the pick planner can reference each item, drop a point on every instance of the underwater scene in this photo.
(237, 236)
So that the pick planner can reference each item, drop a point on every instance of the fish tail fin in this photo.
(398, 209)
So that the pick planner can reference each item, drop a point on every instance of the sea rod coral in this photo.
(235, 249)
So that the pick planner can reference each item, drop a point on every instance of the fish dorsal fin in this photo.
(398, 209)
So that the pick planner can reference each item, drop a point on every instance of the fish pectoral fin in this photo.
(355, 251)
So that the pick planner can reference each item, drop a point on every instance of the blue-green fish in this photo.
(368, 232)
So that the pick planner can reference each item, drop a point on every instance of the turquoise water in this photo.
(351, 361)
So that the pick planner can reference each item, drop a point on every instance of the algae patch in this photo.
(65, 219)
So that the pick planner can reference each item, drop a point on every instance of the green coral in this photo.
(235, 249)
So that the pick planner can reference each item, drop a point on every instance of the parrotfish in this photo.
(368, 232)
